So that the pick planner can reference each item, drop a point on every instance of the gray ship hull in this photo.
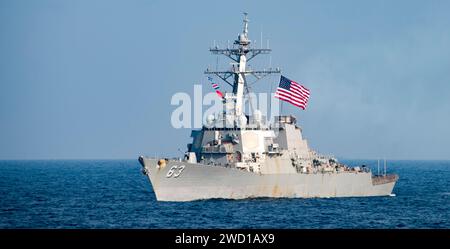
(182, 181)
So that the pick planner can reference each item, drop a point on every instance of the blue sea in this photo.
(115, 194)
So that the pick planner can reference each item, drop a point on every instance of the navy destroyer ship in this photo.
(236, 156)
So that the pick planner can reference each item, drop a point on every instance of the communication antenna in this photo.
(378, 166)
(261, 41)
(271, 84)
(385, 167)
(217, 63)
(241, 53)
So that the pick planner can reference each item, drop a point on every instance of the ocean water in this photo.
(115, 194)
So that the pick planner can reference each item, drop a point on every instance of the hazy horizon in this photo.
(94, 79)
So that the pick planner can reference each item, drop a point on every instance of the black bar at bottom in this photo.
(222, 238)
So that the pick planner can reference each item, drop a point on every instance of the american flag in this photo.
(216, 87)
(292, 92)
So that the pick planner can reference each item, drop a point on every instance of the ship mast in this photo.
(238, 88)
(240, 53)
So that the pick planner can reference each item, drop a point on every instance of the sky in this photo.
(92, 79)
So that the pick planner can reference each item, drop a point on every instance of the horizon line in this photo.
(130, 159)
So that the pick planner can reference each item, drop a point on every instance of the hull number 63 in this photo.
(175, 171)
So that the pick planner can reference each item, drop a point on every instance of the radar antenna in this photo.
(241, 52)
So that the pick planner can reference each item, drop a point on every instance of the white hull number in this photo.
(175, 171)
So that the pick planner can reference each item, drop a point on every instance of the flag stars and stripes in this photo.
(292, 92)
